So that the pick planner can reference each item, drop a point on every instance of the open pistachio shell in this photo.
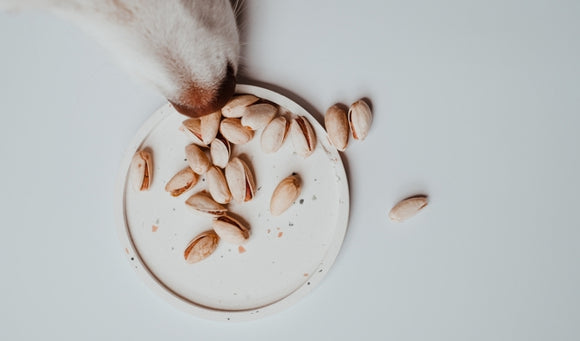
(236, 106)
(201, 247)
(257, 116)
(274, 134)
(217, 185)
(240, 180)
(181, 182)
(220, 151)
(141, 170)
(303, 136)
(230, 230)
(284, 195)
(202, 202)
(360, 118)
(197, 159)
(233, 130)
(336, 123)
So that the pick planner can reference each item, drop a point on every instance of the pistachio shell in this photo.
(284, 195)
(303, 137)
(336, 123)
(197, 159)
(192, 128)
(231, 230)
(274, 134)
(240, 180)
(181, 182)
(210, 125)
(201, 247)
(217, 185)
(203, 203)
(360, 118)
(141, 170)
(257, 116)
(233, 130)
(407, 208)
(220, 151)
(236, 106)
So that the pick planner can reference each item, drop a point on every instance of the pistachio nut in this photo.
(230, 230)
(201, 246)
(240, 180)
(202, 130)
(217, 185)
(274, 134)
(220, 151)
(236, 106)
(257, 116)
(303, 137)
(284, 195)
(203, 203)
(233, 130)
(192, 128)
(360, 118)
(407, 208)
(141, 170)
(336, 123)
(181, 182)
(197, 159)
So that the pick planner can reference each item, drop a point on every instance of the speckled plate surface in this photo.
(285, 257)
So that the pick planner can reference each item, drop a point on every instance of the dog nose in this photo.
(196, 101)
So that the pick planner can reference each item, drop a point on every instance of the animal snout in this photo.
(196, 100)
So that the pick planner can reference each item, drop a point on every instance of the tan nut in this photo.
(407, 208)
(202, 130)
(141, 170)
(181, 182)
(360, 118)
(220, 151)
(336, 123)
(202, 202)
(274, 134)
(237, 105)
(303, 136)
(284, 195)
(217, 185)
(197, 159)
(231, 230)
(233, 130)
(240, 180)
(257, 116)
(201, 247)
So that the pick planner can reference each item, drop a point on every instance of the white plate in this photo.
(285, 256)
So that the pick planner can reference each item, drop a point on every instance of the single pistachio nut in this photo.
(217, 185)
(336, 123)
(230, 230)
(210, 124)
(257, 116)
(181, 182)
(360, 118)
(220, 151)
(201, 246)
(235, 107)
(141, 170)
(202, 202)
(303, 137)
(192, 129)
(197, 159)
(284, 195)
(233, 130)
(240, 180)
(407, 208)
(274, 134)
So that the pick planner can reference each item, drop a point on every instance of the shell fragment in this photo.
(407, 208)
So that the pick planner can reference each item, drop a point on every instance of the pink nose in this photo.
(196, 101)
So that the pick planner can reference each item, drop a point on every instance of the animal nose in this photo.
(196, 101)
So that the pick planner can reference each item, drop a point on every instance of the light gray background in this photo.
(476, 104)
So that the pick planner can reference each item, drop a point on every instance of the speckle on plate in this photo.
(280, 234)
(241, 249)
(154, 228)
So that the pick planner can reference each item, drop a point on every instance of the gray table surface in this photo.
(476, 103)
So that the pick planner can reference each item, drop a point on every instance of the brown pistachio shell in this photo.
(407, 208)
(202, 202)
(336, 123)
(237, 105)
(210, 125)
(181, 182)
(284, 195)
(141, 170)
(220, 151)
(192, 128)
(257, 116)
(240, 180)
(231, 230)
(360, 118)
(217, 185)
(303, 136)
(197, 159)
(274, 134)
(233, 130)
(201, 247)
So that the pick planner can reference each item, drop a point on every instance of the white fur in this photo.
(169, 43)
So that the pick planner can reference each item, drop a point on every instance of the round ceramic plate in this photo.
(285, 256)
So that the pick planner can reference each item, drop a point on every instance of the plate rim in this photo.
(157, 286)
